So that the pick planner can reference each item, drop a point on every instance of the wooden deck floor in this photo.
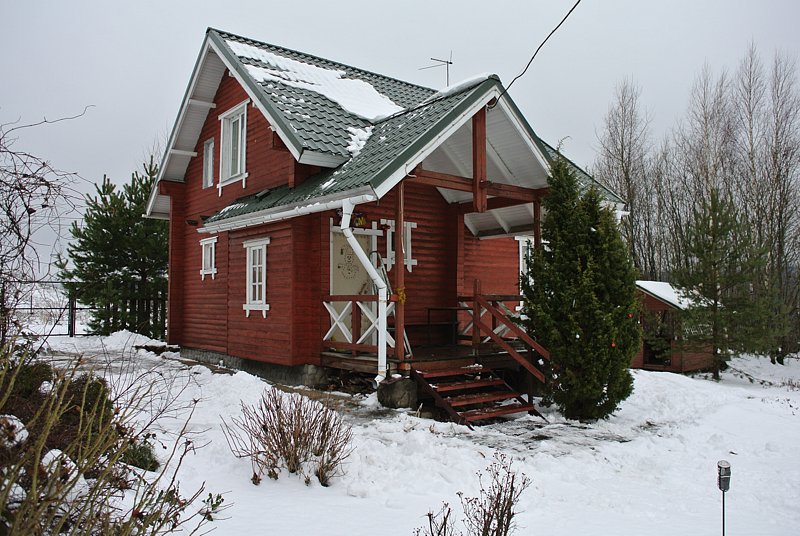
(425, 358)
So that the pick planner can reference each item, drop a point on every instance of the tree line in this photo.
(712, 205)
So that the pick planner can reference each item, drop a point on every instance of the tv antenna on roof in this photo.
(440, 63)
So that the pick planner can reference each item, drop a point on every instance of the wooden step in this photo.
(480, 398)
(461, 371)
(478, 388)
(470, 384)
(495, 411)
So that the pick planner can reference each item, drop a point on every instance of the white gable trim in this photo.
(178, 125)
(296, 151)
(432, 145)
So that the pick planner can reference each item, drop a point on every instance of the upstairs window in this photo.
(208, 163)
(208, 247)
(389, 260)
(256, 285)
(233, 144)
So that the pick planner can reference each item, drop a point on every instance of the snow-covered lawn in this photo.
(649, 469)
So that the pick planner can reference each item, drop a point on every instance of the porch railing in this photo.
(499, 328)
(358, 336)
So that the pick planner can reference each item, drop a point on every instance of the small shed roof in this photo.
(666, 293)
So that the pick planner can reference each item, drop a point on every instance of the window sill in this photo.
(231, 180)
(263, 307)
(204, 273)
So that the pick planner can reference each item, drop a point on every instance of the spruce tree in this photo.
(736, 307)
(118, 259)
(580, 301)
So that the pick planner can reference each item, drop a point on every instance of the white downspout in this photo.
(380, 284)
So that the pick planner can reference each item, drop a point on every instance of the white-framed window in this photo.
(233, 141)
(208, 248)
(409, 259)
(208, 163)
(256, 286)
(525, 245)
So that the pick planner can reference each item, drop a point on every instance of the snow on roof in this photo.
(358, 138)
(356, 96)
(452, 89)
(666, 293)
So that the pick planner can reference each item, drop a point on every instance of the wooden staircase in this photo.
(471, 394)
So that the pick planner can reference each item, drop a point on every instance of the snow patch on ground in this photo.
(648, 469)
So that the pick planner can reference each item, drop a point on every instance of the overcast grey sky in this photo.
(132, 60)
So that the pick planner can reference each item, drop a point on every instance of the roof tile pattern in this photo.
(319, 122)
(373, 164)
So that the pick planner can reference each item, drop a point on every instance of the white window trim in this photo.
(409, 260)
(212, 270)
(249, 304)
(208, 166)
(224, 158)
(525, 242)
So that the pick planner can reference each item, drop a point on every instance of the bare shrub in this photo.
(439, 524)
(65, 475)
(492, 512)
(290, 431)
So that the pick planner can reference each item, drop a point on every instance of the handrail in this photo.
(513, 328)
(355, 297)
(486, 303)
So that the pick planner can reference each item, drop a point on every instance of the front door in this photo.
(348, 277)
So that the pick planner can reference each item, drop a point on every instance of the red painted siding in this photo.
(207, 313)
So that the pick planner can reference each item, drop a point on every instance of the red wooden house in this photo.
(325, 216)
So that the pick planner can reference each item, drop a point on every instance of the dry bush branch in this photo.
(289, 431)
(82, 487)
(439, 524)
(492, 512)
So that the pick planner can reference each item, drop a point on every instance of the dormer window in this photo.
(234, 141)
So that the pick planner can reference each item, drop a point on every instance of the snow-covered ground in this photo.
(649, 469)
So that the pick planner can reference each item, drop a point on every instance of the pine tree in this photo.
(735, 302)
(118, 259)
(580, 301)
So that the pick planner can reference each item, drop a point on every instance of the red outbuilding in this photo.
(663, 347)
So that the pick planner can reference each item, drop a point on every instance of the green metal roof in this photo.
(583, 178)
(315, 122)
(390, 145)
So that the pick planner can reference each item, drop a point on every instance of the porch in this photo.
(479, 373)
(480, 328)
(425, 322)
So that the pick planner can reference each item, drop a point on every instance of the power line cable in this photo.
(537, 51)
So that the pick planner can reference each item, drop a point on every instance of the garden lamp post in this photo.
(724, 483)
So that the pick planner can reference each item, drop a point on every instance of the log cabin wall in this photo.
(206, 313)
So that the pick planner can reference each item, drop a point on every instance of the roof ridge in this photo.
(319, 58)
(436, 97)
